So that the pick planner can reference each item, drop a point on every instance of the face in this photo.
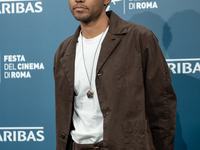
(86, 10)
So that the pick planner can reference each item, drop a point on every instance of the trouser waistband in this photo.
(96, 146)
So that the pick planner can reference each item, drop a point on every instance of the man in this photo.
(113, 86)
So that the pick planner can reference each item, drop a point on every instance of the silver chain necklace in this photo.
(90, 93)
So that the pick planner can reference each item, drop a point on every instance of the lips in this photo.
(79, 7)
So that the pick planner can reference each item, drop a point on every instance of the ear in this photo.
(106, 2)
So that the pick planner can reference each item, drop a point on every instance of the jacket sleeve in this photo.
(160, 98)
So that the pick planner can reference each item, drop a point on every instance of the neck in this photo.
(94, 28)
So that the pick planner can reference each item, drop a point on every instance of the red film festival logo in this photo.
(21, 134)
(20, 6)
(134, 4)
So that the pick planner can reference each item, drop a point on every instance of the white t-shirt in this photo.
(87, 116)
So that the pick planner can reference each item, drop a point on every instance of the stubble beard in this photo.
(88, 17)
(83, 18)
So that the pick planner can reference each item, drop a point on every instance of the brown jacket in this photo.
(134, 89)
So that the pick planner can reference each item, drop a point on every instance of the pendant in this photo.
(90, 94)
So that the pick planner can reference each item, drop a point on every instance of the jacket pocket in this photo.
(135, 134)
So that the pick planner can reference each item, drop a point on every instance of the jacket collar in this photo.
(117, 25)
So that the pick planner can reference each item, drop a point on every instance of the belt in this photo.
(96, 146)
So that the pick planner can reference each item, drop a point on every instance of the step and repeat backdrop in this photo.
(30, 33)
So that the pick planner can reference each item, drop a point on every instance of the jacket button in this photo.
(63, 136)
(99, 74)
